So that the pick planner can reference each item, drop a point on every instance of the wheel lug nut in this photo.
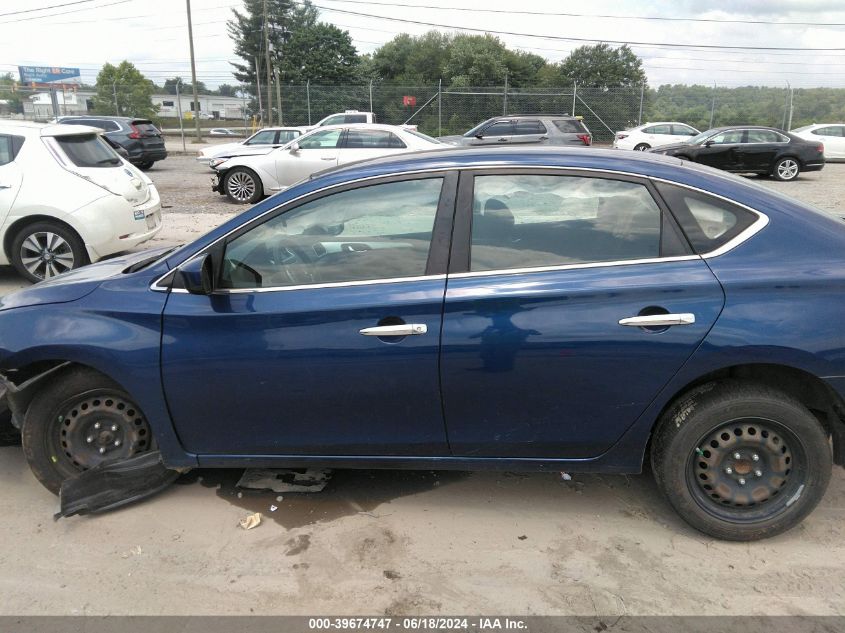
(89, 439)
(97, 425)
(755, 457)
(117, 442)
(729, 470)
(737, 456)
(102, 450)
(741, 481)
(759, 473)
(114, 427)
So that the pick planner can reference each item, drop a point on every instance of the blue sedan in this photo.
(509, 309)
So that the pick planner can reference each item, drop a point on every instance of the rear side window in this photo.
(499, 128)
(764, 136)
(372, 139)
(529, 127)
(88, 150)
(10, 145)
(287, 135)
(355, 118)
(658, 129)
(108, 126)
(708, 222)
(265, 137)
(683, 130)
(830, 130)
(570, 126)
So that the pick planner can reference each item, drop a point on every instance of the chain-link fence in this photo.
(440, 110)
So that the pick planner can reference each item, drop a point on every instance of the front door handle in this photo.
(405, 329)
(659, 320)
(328, 157)
(5, 186)
(503, 139)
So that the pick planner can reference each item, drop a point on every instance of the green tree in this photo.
(227, 90)
(122, 90)
(185, 87)
(312, 50)
(9, 93)
(602, 66)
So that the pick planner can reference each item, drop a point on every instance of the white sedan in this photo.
(650, 135)
(258, 143)
(247, 179)
(832, 135)
(67, 199)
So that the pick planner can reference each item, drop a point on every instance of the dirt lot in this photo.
(404, 542)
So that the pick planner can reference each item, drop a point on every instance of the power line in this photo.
(49, 15)
(575, 39)
(53, 6)
(587, 15)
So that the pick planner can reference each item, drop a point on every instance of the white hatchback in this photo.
(67, 199)
(650, 135)
(832, 135)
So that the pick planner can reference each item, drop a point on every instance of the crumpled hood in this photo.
(76, 284)
(456, 139)
(662, 149)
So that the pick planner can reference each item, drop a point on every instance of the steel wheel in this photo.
(747, 470)
(45, 254)
(242, 186)
(787, 169)
(91, 429)
(642, 147)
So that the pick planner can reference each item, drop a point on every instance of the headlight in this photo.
(217, 161)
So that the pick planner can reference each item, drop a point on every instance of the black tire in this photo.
(146, 165)
(786, 169)
(65, 254)
(782, 448)
(242, 186)
(77, 421)
(641, 147)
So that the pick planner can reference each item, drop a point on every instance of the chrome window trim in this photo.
(761, 222)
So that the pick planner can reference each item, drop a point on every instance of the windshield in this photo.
(88, 150)
(477, 128)
(695, 140)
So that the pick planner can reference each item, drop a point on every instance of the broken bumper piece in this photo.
(114, 484)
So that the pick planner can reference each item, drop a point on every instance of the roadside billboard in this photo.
(49, 75)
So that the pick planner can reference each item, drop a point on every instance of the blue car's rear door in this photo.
(538, 359)
(283, 359)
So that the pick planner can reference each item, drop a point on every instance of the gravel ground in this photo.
(387, 542)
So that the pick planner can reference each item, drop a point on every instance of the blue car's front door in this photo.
(322, 337)
(538, 359)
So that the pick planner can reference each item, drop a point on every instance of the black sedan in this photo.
(751, 149)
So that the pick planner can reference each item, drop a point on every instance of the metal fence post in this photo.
(371, 95)
(505, 101)
(440, 107)
(308, 98)
(713, 105)
(791, 94)
(642, 95)
(574, 92)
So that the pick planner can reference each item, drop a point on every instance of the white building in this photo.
(39, 106)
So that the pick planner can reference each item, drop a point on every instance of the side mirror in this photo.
(708, 143)
(197, 275)
(294, 147)
(479, 136)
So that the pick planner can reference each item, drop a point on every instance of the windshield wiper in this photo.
(112, 161)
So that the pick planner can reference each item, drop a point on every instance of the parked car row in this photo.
(140, 138)
(756, 149)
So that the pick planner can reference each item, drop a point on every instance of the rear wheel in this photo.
(786, 169)
(146, 165)
(243, 186)
(741, 461)
(641, 147)
(46, 249)
(78, 421)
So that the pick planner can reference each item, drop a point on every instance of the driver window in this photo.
(377, 232)
(320, 140)
(728, 138)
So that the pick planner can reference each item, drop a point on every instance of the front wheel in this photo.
(786, 169)
(46, 249)
(741, 461)
(146, 165)
(79, 421)
(642, 147)
(243, 186)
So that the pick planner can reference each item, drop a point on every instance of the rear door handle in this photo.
(658, 320)
(405, 329)
(328, 157)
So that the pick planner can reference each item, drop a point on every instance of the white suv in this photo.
(651, 135)
(67, 199)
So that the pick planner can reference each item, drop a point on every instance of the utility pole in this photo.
(791, 93)
(114, 93)
(179, 112)
(278, 73)
(269, 70)
(194, 73)
(258, 93)
(713, 106)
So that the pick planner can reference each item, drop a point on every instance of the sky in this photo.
(153, 34)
